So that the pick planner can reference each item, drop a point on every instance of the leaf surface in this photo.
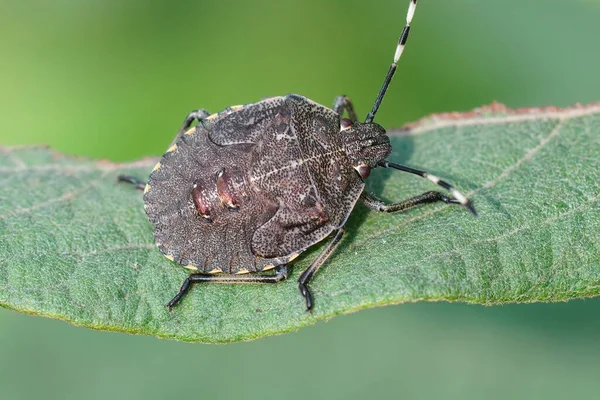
(76, 245)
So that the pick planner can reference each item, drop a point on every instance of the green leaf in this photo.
(76, 245)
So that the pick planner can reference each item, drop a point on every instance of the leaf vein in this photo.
(505, 235)
(490, 184)
(130, 246)
(65, 197)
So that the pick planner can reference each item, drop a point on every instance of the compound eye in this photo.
(363, 170)
(345, 123)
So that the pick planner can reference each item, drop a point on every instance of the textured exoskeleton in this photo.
(250, 188)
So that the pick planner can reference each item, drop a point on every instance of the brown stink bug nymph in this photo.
(248, 189)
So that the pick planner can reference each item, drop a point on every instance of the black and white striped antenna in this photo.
(399, 49)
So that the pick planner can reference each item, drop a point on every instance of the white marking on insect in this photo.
(398, 53)
(284, 135)
(294, 164)
(433, 178)
(459, 196)
(409, 16)
(411, 11)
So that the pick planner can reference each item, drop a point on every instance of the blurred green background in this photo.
(114, 79)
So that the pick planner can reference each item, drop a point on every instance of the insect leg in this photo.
(197, 115)
(314, 267)
(343, 103)
(130, 179)
(429, 197)
(281, 273)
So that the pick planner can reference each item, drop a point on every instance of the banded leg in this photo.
(197, 115)
(281, 274)
(399, 49)
(343, 103)
(429, 197)
(134, 181)
(307, 275)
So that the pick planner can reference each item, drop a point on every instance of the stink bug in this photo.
(250, 188)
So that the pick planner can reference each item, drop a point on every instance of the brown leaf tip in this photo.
(494, 113)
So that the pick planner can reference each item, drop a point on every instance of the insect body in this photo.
(250, 188)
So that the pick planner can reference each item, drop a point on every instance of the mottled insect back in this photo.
(248, 189)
